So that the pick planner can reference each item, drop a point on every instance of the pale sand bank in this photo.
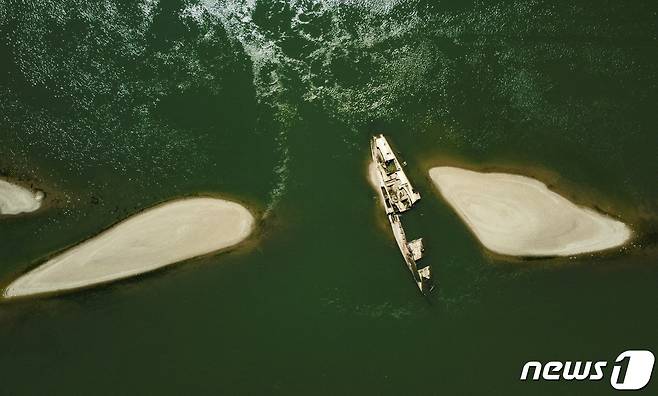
(157, 237)
(374, 178)
(519, 216)
(373, 174)
(15, 199)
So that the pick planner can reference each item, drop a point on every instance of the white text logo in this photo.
(630, 371)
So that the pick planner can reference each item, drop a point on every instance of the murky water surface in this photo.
(111, 107)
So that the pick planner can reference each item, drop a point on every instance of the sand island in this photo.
(520, 216)
(159, 236)
(15, 199)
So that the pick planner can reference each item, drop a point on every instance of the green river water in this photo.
(111, 107)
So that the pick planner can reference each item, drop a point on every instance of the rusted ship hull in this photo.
(398, 196)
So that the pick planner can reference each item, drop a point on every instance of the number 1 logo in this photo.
(632, 370)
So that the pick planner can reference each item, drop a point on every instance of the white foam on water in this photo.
(265, 55)
(277, 71)
(399, 71)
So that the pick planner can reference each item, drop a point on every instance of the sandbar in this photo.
(15, 199)
(373, 175)
(520, 216)
(159, 236)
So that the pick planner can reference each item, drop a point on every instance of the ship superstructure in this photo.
(398, 194)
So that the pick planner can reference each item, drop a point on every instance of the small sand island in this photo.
(15, 199)
(168, 233)
(519, 216)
